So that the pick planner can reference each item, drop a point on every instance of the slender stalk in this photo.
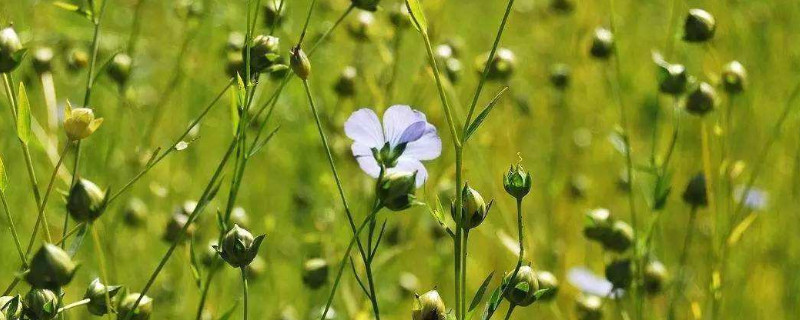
(465, 248)
(343, 198)
(204, 199)
(345, 258)
(13, 229)
(679, 280)
(707, 169)
(74, 305)
(486, 69)
(244, 291)
(638, 257)
(327, 33)
(41, 217)
(510, 310)
(102, 262)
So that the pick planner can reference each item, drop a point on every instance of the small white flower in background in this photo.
(399, 144)
(588, 282)
(755, 199)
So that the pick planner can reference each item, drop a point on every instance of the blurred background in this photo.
(564, 133)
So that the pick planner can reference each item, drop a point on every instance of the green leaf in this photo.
(542, 292)
(494, 302)
(482, 116)
(195, 266)
(234, 112)
(3, 176)
(263, 142)
(481, 291)
(23, 115)
(73, 8)
(417, 15)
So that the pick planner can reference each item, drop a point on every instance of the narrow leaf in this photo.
(741, 228)
(263, 142)
(23, 115)
(195, 266)
(228, 314)
(482, 116)
(481, 291)
(234, 108)
(3, 176)
(417, 15)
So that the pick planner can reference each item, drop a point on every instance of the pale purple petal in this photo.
(396, 120)
(413, 132)
(366, 160)
(364, 127)
(427, 147)
(407, 164)
(588, 282)
(755, 199)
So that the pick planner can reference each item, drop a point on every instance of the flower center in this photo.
(387, 156)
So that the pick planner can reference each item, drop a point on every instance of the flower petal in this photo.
(586, 281)
(413, 132)
(408, 164)
(366, 160)
(364, 127)
(427, 147)
(397, 119)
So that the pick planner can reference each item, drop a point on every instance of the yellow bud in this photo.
(80, 123)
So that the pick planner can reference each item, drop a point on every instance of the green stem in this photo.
(486, 69)
(465, 248)
(203, 201)
(74, 305)
(41, 217)
(344, 260)
(13, 229)
(510, 310)
(206, 287)
(679, 280)
(244, 290)
(328, 32)
(102, 262)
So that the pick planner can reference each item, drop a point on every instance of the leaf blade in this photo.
(417, 15)
(23, 115)
(483, 115)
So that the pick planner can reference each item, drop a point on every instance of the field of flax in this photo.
(559, 159)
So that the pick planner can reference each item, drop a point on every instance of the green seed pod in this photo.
(699, 26)
(263, 53)
(175, 226)
(50, 268)
(362, 28)
(672, 78)
(96, 293)
(620, 273)
(368, 5)
(701, 100)
(300, 63)
(429, 306)
(547, 281)
(562, 6)
(11, 50)
(120, 68)
(41, 304)
(80, 123)
(274, 13)
(602, 43)
(695, 192)
(517, 182)
(315, 273)
(655, 277)
(77, 59)
(588, 307)
(43, 60)
(522, 291)
(560, 76)
(135, 213)
(598, 224)
(256, 268)
(620, 237)
(141, 312)
(346, 84)
(734, 77)
(501, 67)
(239, 248)
(399, 16)
(396, 190)
(86, 201)
(11, 307)
(474, 209)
